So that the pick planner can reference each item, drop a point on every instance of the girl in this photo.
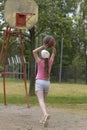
(43, 77)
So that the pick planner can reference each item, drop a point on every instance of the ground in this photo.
(14, 117)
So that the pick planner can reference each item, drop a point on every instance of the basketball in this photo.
(49, 40)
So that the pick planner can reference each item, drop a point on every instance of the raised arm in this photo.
(36, 51)
(53, 53)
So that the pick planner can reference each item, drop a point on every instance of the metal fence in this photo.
(70, 74)
(17, 69)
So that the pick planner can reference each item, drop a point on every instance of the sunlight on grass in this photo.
(60, 95)
(14, 87)
(17, 87)
(67, 89)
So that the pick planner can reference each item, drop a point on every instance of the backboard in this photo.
(21, 14)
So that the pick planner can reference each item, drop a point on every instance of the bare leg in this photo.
(41, 98)
(45, 94)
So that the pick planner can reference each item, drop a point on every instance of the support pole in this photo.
(23, 67)
(5, 60)
(4, 43)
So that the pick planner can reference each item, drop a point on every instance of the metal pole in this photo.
(61, 55)
(4, 43)
(23, 67)
(5, 59)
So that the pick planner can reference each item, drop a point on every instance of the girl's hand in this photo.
(45, 45)
(54, 44)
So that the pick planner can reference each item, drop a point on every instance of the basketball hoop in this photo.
(21, 14)
(24, 20)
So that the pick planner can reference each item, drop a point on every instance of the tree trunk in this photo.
(32, 63)
(86, 73)
(86, 65)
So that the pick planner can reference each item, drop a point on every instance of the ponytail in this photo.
(46, 67)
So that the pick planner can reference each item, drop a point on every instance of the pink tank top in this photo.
(40, 71)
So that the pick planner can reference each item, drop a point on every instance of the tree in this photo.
(32, 63)
(81, 26)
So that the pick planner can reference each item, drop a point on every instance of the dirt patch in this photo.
(14, 117)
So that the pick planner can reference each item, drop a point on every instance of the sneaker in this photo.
(45, 121)
(41, 120)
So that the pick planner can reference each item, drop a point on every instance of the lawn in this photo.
(60, 95)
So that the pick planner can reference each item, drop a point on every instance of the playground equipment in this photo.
(19, 16)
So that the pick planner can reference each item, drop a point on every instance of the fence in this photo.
(70, 74)
(17, 68)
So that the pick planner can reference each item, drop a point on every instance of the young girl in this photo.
(43, 77)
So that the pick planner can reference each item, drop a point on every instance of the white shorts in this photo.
(42, 85)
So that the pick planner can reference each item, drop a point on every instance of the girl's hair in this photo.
(46, 67)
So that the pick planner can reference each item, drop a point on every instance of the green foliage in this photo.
(1, 68)
(53, 19)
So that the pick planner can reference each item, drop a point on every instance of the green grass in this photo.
(60, 95)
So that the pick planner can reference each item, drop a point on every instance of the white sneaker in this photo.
(45, 121)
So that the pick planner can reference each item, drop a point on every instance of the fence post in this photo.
(61, 55)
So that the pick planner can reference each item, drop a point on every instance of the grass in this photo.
(60, 95)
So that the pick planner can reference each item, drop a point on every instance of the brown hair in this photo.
(46, 67)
